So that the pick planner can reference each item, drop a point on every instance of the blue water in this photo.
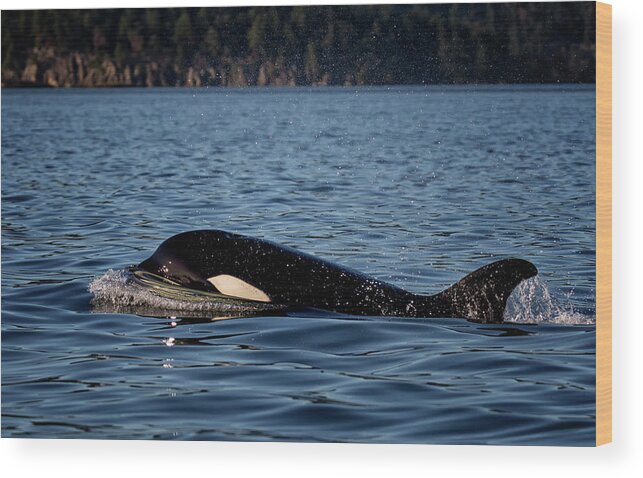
(415, 186)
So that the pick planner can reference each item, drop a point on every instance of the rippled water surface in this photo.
(415, 186)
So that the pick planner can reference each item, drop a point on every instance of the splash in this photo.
(125, 291)
(532, 302)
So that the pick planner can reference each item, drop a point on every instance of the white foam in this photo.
(532, 302)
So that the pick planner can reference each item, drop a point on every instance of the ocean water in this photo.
(417, 186)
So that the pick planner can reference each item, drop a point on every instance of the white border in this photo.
(68, 458)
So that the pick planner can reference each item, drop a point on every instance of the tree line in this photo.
(335, 45)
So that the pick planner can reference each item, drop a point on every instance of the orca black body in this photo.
(260, 270)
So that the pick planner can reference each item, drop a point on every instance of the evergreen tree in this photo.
(183, 38)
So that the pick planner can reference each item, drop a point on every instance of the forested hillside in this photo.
(335, 45)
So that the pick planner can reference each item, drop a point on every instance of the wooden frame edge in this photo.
(603, 223)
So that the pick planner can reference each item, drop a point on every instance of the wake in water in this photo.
(137, 292)
(532, 302)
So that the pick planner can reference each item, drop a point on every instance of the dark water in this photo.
(416, 186)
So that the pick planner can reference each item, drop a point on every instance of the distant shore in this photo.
(301, 46)
(467, 86)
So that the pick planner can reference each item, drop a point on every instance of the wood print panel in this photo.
(603, 223)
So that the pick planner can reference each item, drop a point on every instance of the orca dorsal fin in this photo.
(482, 295)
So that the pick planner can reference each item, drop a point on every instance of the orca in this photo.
(262, 271)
